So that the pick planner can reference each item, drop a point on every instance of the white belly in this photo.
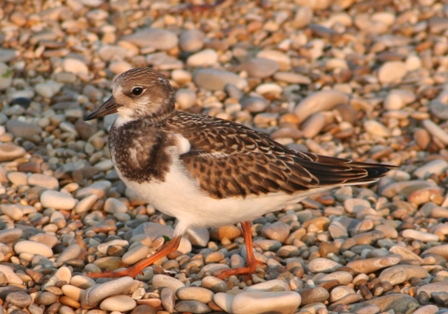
(181, 197)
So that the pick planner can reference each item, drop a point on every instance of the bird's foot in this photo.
(245, 271)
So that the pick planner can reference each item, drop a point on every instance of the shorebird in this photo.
(206, 171)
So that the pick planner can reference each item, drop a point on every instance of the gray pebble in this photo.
(192, 306)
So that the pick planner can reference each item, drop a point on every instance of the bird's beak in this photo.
(108, 107)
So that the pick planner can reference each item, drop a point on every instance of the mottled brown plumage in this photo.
(207, 171)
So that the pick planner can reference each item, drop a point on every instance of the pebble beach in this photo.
(365, 80)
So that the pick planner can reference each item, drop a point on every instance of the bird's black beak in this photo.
(108, 107)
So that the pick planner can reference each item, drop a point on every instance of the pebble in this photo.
(376, 128)
(48, 89)
(419, 235)
(192, 307)
(258, 302)
(317, 102)
(195, 294)
(10, 235)
(167, 298)
(119, 303)
(436, 131)
(57, 200)
(43, 180)
(277, 231)
(204, 58)
(432, 167)
(313, 295)
(22, 129)
(97, 293)
(9, 151)
(259, 67)
(185, 98)
(5, 76)
(213, 79)
(191, 40)
(164, 281)
(19, 299)
(75, 66)
(391, 72)
(71, 252)
(323, 265)
(33, 247)
(156, 38)
(370, 265)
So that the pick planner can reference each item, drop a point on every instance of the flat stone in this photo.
(191, 307)
(33, 247)
(323, 265)
(258, 67)
(159, 39)
(22, 129)
(75, 66)
(213, 79)
(277, 231)
(259, 302)
(9, 151)
(369, 265)
(57, 200)
(397, 302)
(120, 303)
(48, 89)
(43, 180)
(10, 235)
(164, 281)
(391, 72)
(20, 299)
(98, 188)
(204, 58)
(95, 294)
(191, 40)
(71, 252)
(434, 167)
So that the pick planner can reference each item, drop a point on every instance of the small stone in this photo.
(376, 128)
(33, 247)
(75, 66)
(10, 235)
(203, 58)
(323, 265)
(120, 303)
(167, 298)
(214, 284)
(164, 281)
(420, 235)
(22, 129)
(191, 40)
(185, 98)
(254, 104)
(71, 252)
(57, 200)
(394, 275)
(12, 210)
(46, 298)
(98, 188)
(48, 89)
(259, 67)
(277, 231)
(435, 167)
(159, 39)
(20, 299)
(9, 151)
(95, 294)
(191, 307)
(391, 72)
(195, 294)
(369, 265)
(135, 254)
(258, 302)
(43, 181)
(5, 76)
(213, 79)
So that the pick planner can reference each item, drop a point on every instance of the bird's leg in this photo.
(167, 248)
(251, 262)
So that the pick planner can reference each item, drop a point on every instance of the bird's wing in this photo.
(229, 159)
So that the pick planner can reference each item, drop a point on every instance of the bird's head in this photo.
(138, 93)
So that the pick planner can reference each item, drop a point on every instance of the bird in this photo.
(206, 171)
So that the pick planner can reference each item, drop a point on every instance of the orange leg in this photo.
(167, 248)
(251, 262)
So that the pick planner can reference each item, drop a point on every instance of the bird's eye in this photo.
(137, 91)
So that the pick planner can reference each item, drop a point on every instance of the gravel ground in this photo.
(359, 79)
